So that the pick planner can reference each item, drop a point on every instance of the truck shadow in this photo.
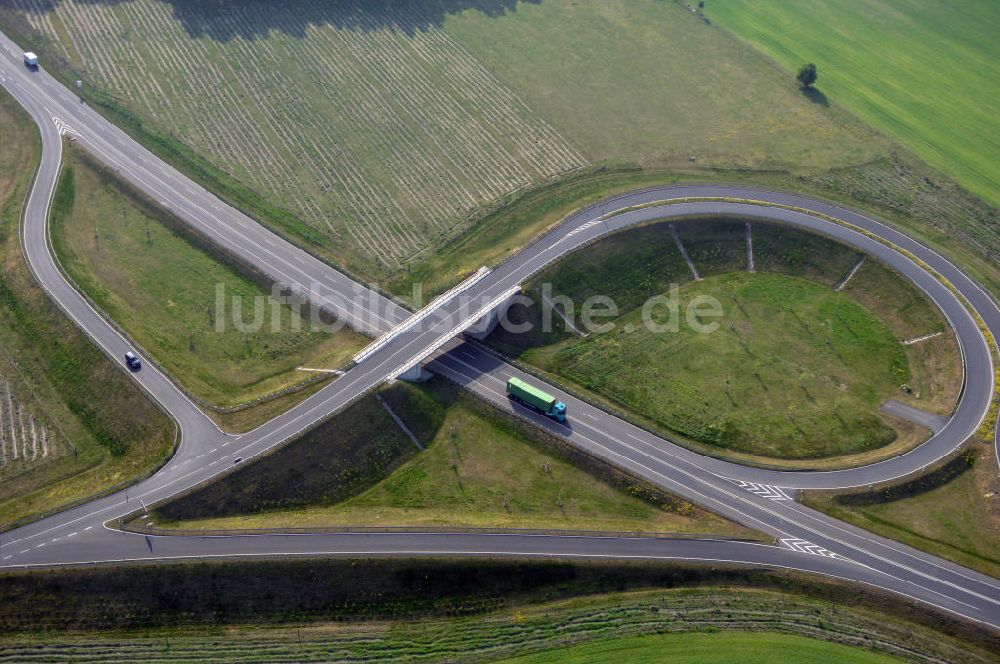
(468, 364)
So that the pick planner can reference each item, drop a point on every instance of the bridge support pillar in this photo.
(416, 374)
(482, 327)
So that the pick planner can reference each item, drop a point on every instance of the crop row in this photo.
(23, 438)
(381, 137)
(495, 636)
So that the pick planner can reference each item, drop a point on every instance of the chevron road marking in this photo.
(764, 490)
(64, 128)
(804, 546)
(578, 229)
(583, 227)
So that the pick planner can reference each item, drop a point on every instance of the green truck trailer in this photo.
(531, 396)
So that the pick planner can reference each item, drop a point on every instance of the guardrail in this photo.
(431, 307)
(452, 333)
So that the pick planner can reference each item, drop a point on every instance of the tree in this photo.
(807, 75)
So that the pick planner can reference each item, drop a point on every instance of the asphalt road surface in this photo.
(762, 499)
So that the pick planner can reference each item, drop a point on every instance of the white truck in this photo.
(30, 60)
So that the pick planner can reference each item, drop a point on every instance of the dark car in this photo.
(132, 361)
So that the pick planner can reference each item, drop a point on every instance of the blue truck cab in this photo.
(529, 395)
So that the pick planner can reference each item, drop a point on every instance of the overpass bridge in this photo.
(762, 499)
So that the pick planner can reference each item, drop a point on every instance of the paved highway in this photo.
(758, 498)
(226, 227)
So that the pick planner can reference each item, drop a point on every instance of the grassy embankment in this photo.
(400, 610)
(751, 648)
(108, 432)
(162, 288)
(480, 468)
(645, 82)
(795, 369)
(952, 512)
(919, 70)
(899, 191)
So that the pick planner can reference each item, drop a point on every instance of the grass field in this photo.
(794, 370)
(647, 82)
(408, 610)
(935, 368)
(801, 366)
(82, 426)
(28, 437)
(422, 132)
(748, 647)
(162, 289)
(660, 104)
(435, 113)
(922, 71)
(479, 469)
(953, 513)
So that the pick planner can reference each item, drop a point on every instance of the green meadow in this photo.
(694, 648)
(922, 71)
